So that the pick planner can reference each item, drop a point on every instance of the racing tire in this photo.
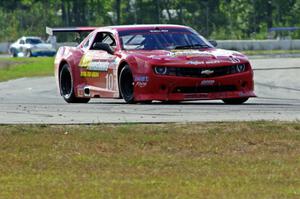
(126, 85)
(66, 86)
(235, 100)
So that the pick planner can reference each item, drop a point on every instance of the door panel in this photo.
(98, 68)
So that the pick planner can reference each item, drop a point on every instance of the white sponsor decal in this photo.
(159, 30)
(195, 62)
(189, 53)
(207, 82)
(98, 66)
(141, 84)
(213, 62)
(234, 60)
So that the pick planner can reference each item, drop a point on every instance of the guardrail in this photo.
(225, 44)
(259, 44)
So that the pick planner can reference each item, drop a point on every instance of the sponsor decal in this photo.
(85, 60)
(141, 78)
(92, 74)
(141, 84)
(189, 53)
(90, 64)
(154, 57)
(213, 62)
(159, 30)
(98, 66)
(207, 82)
(234, 60)
(195, 62)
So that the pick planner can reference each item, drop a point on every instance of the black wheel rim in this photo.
(65, 83)
(127, 84)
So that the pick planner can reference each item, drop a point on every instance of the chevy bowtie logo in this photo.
(207, 72)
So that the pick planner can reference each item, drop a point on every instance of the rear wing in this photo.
(78, 38)
(51, 31)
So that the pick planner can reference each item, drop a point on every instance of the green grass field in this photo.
(206, 160)
(13, 68)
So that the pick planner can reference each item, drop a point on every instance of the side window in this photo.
(87, 43)
(194, 39)
(104, 37)
(22, 41)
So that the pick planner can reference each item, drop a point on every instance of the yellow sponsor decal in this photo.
(89, 74)
(85, 60)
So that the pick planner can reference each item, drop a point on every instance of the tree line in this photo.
(218, 19)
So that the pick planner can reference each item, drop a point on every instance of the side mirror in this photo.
(103, 46)
(214, 43)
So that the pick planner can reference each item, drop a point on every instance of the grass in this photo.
(208, 160)
(13, 68)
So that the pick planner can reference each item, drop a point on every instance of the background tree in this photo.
(227, 19)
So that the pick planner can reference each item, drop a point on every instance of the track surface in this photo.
(36, 100)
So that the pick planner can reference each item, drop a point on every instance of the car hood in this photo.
(203, 57)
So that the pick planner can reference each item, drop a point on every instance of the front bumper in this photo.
(174, 88)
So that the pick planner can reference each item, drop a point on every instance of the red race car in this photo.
(142, 63)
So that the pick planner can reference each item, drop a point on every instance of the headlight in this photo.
(240, 68)
(160, 70)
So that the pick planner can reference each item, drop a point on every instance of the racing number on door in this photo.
(109, 81)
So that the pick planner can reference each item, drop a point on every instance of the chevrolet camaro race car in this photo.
(31, 47)
(142, 63)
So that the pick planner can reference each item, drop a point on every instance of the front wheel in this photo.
(126, 85)
(235, 100)
(28, 53)
(66, 86)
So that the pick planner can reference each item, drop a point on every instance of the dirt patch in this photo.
(7, 64)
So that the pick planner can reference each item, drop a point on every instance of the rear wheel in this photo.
(126, 85)
(13, 52)
(66, 86)
(235, 100)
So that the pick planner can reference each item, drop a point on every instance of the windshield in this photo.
(33, 41)
(162, 39)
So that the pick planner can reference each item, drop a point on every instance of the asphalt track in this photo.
(36, 100)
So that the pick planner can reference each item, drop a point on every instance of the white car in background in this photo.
(31, 47)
